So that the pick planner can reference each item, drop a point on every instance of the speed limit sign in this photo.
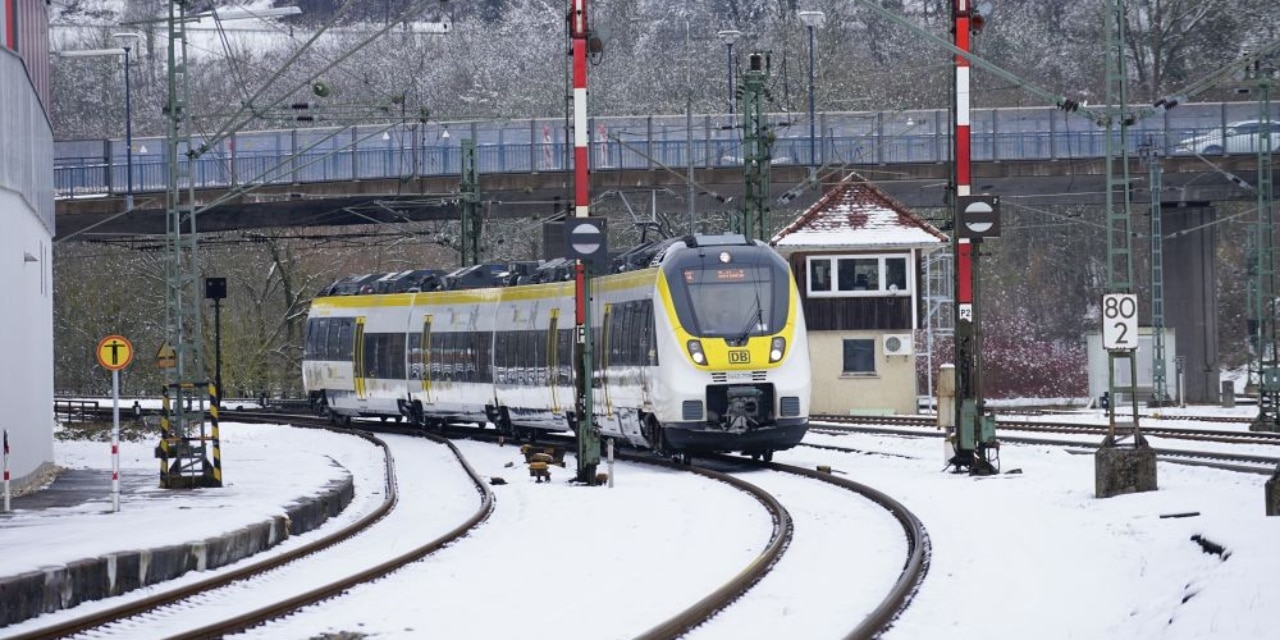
(1120, 321)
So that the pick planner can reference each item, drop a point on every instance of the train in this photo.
(699, 346)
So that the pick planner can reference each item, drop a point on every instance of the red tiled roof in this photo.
(856, 213)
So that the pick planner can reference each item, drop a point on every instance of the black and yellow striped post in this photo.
(215, 402)
(162, 451)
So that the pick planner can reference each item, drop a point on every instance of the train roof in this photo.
(489, 275)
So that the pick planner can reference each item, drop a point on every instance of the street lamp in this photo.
(728, 37)
(812, 20)
(128, 105)
(127, 39)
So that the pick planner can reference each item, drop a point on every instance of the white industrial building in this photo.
(26, 243)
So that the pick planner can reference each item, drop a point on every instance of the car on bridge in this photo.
(1243, 136)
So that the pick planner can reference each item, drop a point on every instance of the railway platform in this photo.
(65, 545)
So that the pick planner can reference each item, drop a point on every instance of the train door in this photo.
(553, 358)
(424, 359)
(357, 359)
(602, 354)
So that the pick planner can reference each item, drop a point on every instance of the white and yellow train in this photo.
(701, 350)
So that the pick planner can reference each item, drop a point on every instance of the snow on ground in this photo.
(576, 562)
(264, 469)
(1020, 555)
(1035, 554)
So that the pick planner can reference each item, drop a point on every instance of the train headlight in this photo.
(695, 351)
(777, 349)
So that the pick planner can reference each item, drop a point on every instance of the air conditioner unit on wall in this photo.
(898, 344)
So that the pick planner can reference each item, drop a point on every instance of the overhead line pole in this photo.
(1266, 359)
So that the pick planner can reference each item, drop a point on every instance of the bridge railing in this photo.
(365, 152)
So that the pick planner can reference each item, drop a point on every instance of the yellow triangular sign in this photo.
(166, 357)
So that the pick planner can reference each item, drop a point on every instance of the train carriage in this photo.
(699, 347)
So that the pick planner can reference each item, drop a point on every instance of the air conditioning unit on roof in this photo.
(898, 344)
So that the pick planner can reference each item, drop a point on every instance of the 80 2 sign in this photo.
(1120, 321)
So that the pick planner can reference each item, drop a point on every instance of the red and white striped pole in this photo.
(964, 181)
(115, 440)
(6, 471)
(581, 166)
(966, 342)
(588, 440)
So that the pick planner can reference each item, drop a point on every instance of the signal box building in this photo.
(26, 246)
(857, 255)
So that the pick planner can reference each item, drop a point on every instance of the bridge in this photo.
(409, 172)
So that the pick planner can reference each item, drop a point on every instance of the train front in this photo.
(737, 376)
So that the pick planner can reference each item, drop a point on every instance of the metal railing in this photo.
(364, 152)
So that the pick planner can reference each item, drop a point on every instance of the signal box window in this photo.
(859, 356)
(871, 275)
(819, 275)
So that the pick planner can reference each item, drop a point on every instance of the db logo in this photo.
(739, 357)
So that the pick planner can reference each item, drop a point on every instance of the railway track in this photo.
(874, 623)
(1245, 463)
(176, 599)
(868, 625)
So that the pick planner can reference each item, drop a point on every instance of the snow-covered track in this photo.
(1238, 462)
(127, 619)
(1204, 435)
(706, 608)
(915, 564)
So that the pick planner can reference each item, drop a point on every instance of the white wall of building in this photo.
(890, 390)
(26, 273)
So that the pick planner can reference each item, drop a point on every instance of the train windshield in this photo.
(743, 297)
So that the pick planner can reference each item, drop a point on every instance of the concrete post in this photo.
(947, 409)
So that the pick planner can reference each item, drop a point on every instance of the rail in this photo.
(244, 621)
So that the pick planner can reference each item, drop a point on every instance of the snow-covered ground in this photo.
(1021, 555)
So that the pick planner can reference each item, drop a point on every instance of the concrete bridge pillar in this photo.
(1190, 294)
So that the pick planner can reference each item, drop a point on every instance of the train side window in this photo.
(445, 355)
(393, 356)
(564, 353)
(459, 359)
(317, 339)
(414, 355)
(500, 357)
(342, 342)
(372, 342)
(437, 354)
(484, 349)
